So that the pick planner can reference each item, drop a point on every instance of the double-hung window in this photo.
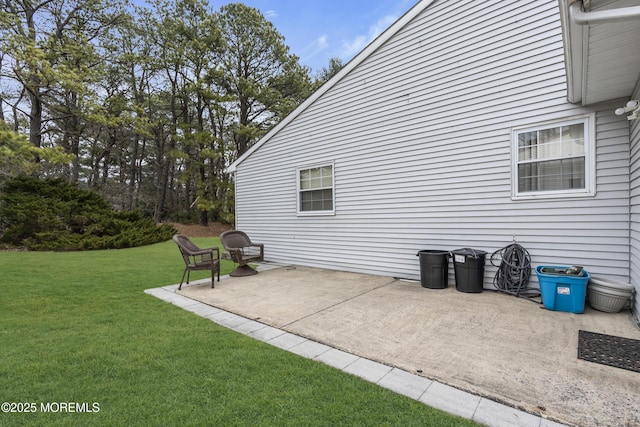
(316, 190)
(554, 159)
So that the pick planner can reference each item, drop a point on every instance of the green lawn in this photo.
(77, 327)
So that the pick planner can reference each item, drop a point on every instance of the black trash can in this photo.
(434, 268)
(468, 268)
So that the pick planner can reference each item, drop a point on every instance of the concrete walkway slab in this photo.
(337, 358)
(451, 400)
(405, 383)
(368, 369)
(491, 345)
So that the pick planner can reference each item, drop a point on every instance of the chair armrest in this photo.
(261, 246)
(255, 245)
(235, 254)
(205, 251)
(238, 254)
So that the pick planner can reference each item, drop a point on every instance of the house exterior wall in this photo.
(635, 210)
(420, 137)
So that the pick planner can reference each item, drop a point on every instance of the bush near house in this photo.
(51, 214)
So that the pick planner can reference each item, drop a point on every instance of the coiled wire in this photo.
(514, 271)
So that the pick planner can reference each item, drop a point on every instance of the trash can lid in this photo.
(432, 252)
(475, 253)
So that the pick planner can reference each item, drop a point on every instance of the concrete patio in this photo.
(490, 357)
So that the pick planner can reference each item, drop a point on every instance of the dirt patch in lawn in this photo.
(214, 229)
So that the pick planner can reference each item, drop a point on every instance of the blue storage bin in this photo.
(562, 292)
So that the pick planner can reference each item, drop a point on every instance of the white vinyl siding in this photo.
(554, 159)
(420, 133)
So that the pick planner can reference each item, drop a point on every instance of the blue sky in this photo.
(317, 30)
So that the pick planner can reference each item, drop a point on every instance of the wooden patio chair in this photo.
(196, 258)
(242, 251)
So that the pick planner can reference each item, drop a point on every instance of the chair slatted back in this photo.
(235, 239)
(187, 247)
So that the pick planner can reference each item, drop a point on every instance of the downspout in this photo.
(579, 17)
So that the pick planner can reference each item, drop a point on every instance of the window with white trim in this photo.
(315, 190)
(554, 159)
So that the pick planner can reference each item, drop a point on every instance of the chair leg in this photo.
(213, 275)
(182, 280)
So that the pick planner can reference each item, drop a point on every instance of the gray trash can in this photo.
(468, 267)
(434, 268)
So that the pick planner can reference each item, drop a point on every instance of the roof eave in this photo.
(576, 26)
(573, 41)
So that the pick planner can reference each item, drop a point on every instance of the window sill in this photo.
(553, 195)
(316, 213)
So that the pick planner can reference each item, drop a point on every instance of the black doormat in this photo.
(609, 350)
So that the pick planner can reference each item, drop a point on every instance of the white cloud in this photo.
(360, 41)
(270, 14)
(322, 42)
(318, 46)
(353, 46)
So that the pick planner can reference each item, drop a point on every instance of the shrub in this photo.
(51, 214)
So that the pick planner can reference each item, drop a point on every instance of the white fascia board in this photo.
(636, 90)
(365, 53)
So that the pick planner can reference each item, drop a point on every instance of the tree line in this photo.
(147, 105)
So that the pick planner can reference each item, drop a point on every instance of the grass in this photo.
(77, 327)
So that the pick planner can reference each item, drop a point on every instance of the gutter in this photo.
(579, 17)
